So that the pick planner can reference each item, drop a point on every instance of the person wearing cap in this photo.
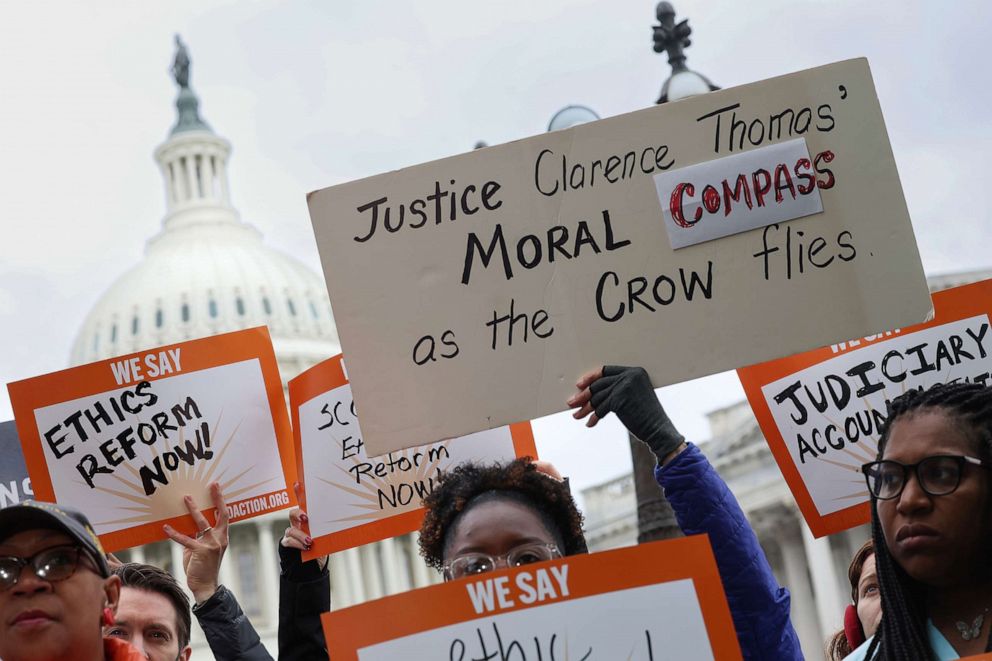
(56, 591)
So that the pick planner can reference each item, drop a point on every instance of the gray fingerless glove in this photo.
(627, 392)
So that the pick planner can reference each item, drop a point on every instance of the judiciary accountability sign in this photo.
(698, 236)
(822, 411)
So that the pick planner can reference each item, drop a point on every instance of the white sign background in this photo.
(612, 625)
(426, 326)
(337, 501)
(231, 399)
(834, 479)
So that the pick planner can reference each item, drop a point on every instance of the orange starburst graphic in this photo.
(167, 500)
(376, 494)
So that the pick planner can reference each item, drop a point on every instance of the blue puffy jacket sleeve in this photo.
(759, 606)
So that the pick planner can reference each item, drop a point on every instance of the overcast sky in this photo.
(312, 94)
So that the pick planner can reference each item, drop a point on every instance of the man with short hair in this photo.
(153, 614)
(148, 592)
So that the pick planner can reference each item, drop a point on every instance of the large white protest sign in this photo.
(821, 411)
(125, 439)
(473, 291)
(352, 498)
(667, 603)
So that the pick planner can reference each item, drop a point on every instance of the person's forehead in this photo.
(506, 509)
(33, 539)
(926, 433)
(868, 568)
(501, 520)
(140, 608)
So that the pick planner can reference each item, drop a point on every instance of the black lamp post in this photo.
(655, 518)
(673, 38)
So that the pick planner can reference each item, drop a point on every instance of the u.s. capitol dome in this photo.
(207, 272)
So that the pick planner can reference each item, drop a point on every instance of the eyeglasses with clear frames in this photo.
(53, 564)
(472, 564)
(938, 475)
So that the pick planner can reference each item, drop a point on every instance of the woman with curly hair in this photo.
(865, 610)
(931, 519)
(483, 517)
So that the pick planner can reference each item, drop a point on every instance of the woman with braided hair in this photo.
(931, 510)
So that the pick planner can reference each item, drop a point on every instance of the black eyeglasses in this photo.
(938, 475)
(52, 564)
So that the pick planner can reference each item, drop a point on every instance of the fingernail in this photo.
(304, 518)
(570, 400)
(309, 541)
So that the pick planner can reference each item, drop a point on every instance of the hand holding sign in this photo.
(203, 554)
(295, 536)
(627, 392)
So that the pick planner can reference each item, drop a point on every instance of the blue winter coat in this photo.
(758, 605)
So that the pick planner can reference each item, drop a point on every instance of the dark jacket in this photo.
(304, 593)
(229, 632)
(758, 605)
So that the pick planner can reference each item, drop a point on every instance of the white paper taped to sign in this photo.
(737, 193)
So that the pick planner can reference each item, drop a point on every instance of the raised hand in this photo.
(203, 554)
(627, 391)
(295, 536)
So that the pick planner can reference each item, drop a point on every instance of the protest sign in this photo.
(820, 411)
(15, 485)
(352, 499)
(499, 276)
(666, 602)
(125, 439)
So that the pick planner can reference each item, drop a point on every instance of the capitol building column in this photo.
(355, 573)
(830, 603)
(269, 570)
(396, 580)
(176, 554)
(804, 607)
(421, 572)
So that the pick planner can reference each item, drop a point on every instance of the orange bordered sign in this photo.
(652, 601)
(820, 411)
(124, 439)
(352, 499)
